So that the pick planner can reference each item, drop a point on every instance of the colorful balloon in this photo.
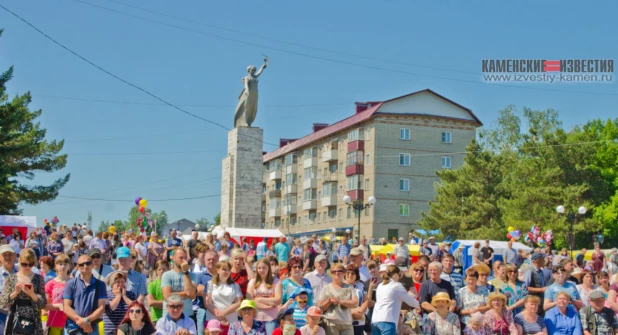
(508, 235)
(510, 229)
(143, 203)
(112, 230)
(137, 200)
(141, 209)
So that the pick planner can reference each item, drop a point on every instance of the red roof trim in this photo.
(322, 133)
(443, 98)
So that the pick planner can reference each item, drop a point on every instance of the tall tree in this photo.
(24, 151)
(217, 220)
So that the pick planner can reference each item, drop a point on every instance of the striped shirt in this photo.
(112, 318)
(300, 315)
(454, 278)
(343, 250)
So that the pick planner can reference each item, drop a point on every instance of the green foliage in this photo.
(521, 169)
(217, 219)
(24, 151)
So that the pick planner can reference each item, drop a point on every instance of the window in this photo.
(404, 159)
(275, 203)
(332, 214)
(340, 214)
(290, 199)
(306, 219)
(355, 182)
(404, 210)
(319, 194)
(310, 152)
(312, 217)
(446, 137)
(368, 134)
(274, 165)
(353, 158)
(329, 189)
(367, 211)
(319, 174)
(278, 184)
(309, 194)
(356, 134)
(393, 233)
(367, 159)
(311, 172)
(367, 184)
(404, 134)
(340, 189)
(291, 178)
(349, 212)
(319, 217)
(277, 223)
(446, 162)
(300, 219)
(333, 169)
(292, 220)
(291, 159)
(340, 167)
(404, 185)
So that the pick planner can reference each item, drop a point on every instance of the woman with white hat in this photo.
(441, 321)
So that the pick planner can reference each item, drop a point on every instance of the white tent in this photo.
(25, 224)
(237, 233)
(498, 246)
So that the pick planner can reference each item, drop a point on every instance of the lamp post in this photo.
(572, 216)
(359, 206)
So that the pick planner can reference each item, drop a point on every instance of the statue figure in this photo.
(248, 99)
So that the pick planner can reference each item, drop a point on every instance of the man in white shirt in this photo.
(175, 321)
(356, 258)
(365, 249)
(435, 249)
(402, 253)
(318, 278)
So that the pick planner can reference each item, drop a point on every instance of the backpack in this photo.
(592, 326)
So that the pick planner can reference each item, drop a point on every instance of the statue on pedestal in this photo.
(248, 99)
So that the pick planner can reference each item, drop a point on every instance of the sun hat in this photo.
(214, 326)
(440, 296)
(355, 252)
(314, 311)
(6, 248)
(247, 304)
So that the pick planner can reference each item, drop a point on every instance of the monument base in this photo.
(241, 180)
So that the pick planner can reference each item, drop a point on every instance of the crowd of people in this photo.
(67, 280)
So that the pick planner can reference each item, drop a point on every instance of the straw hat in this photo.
(441, 296)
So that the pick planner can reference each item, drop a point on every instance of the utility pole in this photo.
(89, 220)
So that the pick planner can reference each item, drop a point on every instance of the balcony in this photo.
(290, 209)
(356, 146)
(330, 155)
(274, 212)
(331, 177)
(330, 200)
(310, 205)
(310, 162)
(291, 169)
(354, 169)
(310, 183)
(275, 175)
(274, 194)
(292, 188)
(356, 195)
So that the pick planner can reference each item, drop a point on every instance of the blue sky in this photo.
(166, 154)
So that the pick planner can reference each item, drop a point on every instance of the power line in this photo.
(180, 132)
(123, 80)
(340, 61)
(150, 200)
(182, 105)
(291, 43)
(142, 153)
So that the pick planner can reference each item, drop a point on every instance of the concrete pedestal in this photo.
(241, 180)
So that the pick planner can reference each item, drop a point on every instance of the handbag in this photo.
(21, 324)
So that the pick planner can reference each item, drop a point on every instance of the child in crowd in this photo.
(213, 328)
(298, 303)
(287, 326)
(475, 325)
(314, 314)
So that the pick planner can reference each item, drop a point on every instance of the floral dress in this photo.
(27, 308)
(513, 295)
(467, 299)
(436, 325)
(256, 329)
(495, 324)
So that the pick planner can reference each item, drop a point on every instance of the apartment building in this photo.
(387, 149)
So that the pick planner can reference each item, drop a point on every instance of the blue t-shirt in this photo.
(203, 278)
(176, 280)
(283, 251)
(553, 289)
(82, 295)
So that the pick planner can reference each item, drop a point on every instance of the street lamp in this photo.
(572, 217)
(359, 207)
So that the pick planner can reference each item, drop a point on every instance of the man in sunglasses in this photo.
(99, 271)
(175, 321)
(8, 267)
(84, 299)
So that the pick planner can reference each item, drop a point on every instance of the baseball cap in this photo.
(355, 252)
(401, 239)
(94, 251)
(314, 311)
(596, 294)
(537, 255)
(214, 326)
(283, 313)
(6, 248)
(383, 267)
(320, 258)
(123, 252)
(299, 291)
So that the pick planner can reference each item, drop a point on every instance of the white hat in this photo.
(383, 267)
(6, 248)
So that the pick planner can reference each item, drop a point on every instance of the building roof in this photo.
(349, 122)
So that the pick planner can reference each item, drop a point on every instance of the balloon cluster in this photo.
(534, 236)
(513, 234)
(141, 222)
(55, 220)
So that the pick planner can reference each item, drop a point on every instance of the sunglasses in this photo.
(95, 256)
(336, 271)
(135, 311)
(175, 307)
(419, 270)
(302, 301)
(26, 265)
(297, 267)
(84, 264)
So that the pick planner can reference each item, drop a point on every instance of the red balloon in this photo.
(141, 209)
(508, 235)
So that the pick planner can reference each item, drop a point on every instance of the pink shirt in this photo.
(262, 291)
(54, 291)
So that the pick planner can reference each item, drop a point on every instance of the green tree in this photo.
(217, 220)
(25, 151)
(104, 226)
(203, 223)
